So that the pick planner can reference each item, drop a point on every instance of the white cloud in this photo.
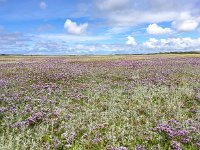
(132, 12)
(43, 5)
(111, 4)
(51, 47)
(186, 22)
(12, 38)
(135, 17)
(71, 38)
(74, 29)
(58, 44)
(155, 29)
(131, 41)
(88, 48)
(118, 30)
(50, 43)
(104, 48)
(173, 43)
(151, 43)
(185, 25)
(13, 42)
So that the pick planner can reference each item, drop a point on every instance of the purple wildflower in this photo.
(96, 140)
(198, 144)
(175, 145)
(116, 148)
(181, 133)
(197, 97)
(193, 111)
(186, 140)
(56, 143)
(140, 147)
(3, 109)
(173, 121)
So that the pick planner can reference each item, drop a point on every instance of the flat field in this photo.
(123, 102)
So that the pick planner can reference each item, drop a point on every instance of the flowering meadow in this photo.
(122, 102)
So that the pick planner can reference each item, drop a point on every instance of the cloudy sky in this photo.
(99, 26)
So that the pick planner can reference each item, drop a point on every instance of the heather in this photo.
(100, 102)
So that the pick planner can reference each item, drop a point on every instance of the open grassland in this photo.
(123, 102)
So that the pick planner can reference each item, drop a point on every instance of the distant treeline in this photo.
(189, 52)
(10, 54)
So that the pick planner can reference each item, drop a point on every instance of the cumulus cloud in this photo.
(173, 43)
(151, 43)
(155, 29)
(185, 25)
(43, 5)
(74, 29)
(131, 41)
(186, 22)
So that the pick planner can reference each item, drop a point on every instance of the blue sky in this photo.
(98, 26)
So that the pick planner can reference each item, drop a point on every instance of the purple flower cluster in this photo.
(36, 117)
(165, 128)
(175, 145)
(197, 96)
(56, 143)
(32, 120)
(174, 131)
(3, 109)
(69, 138)
(186, 140)
(116, 148)
(96, 140)
(140, 147)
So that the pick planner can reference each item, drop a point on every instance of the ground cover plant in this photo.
(123, 102)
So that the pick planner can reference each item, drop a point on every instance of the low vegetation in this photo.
(100, 102)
